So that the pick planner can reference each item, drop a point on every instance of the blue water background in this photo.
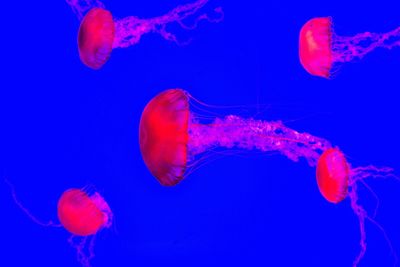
(64, 125)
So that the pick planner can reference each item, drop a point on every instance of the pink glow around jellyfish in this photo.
(80, 7)
(99, 32)
(178, 134)
(81, 213)
(320, 48)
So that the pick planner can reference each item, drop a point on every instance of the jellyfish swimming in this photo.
(178, 133)
(99, 33)
(83, 213)
(333, 175)
(321, 49)
(95, 38)
(337, 180)
(172, 137)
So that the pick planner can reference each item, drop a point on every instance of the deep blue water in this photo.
(64, 125)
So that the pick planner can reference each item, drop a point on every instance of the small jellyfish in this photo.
(337, 180)
(321, 49)
(333, 175)
(100, 33)
(96, 37)
(83, 213)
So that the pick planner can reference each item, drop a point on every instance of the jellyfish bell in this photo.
(83, 214)
(315, 46)
(333, 175)
(96, 37)
(163, 136)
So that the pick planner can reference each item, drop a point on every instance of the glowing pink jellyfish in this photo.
(172, 136)
(321, 49)
(178, 133)
(337, 179)
(99, 33)
(83, 214)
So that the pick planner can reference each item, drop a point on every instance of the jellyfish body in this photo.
(174, 140)
(321, 49)
(333, 175)
(315, 47)
(100, 33)
(163, 134)
(96, 37)
(81, 214)
(337, 180)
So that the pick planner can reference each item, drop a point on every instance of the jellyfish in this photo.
(178, 134)
(95, 38)
(83, 213)
(173, 137)
(321, 50)
(99, 33)
(333, 175)
(337, 180)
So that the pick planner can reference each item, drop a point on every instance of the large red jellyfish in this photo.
(83, 214)
(321, 49)
(164, 136)
(178, 133)
(173, 138)
(99, 33)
